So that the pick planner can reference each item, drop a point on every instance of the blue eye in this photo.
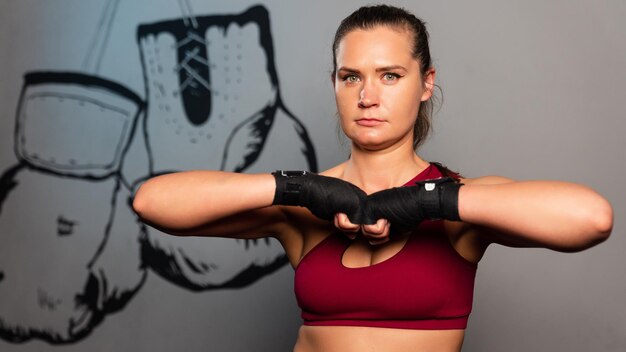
(350, 78)
(389, 76)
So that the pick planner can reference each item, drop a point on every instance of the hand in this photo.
(397, 205)
(407, 207)
(377, 233)
(344, 224)
(323, 196)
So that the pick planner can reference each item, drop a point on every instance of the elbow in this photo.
(602, 221)
(599, 223)
(145, 203)
(140, 202)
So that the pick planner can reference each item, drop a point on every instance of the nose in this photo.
(368, 96)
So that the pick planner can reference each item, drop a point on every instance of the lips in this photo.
(369, 122)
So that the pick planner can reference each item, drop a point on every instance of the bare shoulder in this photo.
(486, 180)
(335, 171)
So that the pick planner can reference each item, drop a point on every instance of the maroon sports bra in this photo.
(426, 285)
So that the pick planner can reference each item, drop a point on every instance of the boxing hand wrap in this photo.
(323, 196)
(406, 207)
(440, 198)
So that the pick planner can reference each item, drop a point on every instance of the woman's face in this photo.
(379, 87)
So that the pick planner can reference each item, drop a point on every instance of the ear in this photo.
(429, 83)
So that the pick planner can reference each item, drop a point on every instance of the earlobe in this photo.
(427, 94)
(429, 84)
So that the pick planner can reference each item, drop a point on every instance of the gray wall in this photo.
(532, 90)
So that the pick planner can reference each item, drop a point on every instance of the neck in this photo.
(375, 170)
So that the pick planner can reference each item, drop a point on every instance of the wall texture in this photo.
(95, 96)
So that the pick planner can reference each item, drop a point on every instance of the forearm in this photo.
(558, 215)
(187, 200)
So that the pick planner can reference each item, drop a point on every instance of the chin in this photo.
(378, 143)
(370, 145)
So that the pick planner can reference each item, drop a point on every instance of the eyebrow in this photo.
(380, 69)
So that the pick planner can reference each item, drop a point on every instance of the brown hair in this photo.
(369, 17)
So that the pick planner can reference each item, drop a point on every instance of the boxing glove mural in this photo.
(64, 217)
(72, 251)
(214, 103)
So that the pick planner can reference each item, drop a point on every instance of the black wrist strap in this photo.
(288, 187)
(450, 201)
(439, 199)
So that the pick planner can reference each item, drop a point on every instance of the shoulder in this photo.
(486, 180)
(335, 171)
(483, 180)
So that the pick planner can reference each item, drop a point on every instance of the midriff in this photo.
(360, 339)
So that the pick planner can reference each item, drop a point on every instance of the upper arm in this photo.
(257, 223)
(272, 221)
(487, 235)
(482, 236)
(220, 204)
(557, 215)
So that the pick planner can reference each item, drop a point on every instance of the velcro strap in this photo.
(291, 194)
(429, 199)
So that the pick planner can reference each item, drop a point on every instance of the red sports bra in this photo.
(426, 285)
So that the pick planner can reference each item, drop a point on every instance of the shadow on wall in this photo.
(212, 102)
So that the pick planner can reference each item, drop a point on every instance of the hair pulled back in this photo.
(369, 17)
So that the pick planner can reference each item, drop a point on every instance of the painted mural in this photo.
(211, 101)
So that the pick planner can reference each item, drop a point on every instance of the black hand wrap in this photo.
(406, 207)
(323, 196)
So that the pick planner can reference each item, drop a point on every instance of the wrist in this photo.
(449, 194)
(290, 187)
(438, 199)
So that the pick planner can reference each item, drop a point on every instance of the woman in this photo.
(379, 266)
